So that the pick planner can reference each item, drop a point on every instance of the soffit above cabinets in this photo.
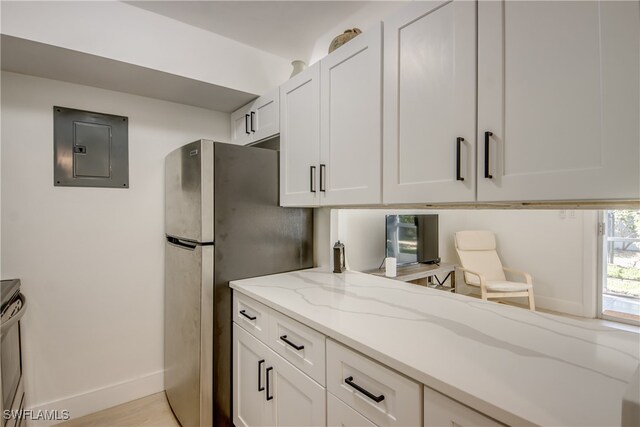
(52, 62)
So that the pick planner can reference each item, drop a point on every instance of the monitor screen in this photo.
(412, 238)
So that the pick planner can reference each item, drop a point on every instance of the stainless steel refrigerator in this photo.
(222, 222)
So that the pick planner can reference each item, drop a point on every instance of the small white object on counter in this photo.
(514, 365)
(390, 266)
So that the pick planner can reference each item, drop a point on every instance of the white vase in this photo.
(298, 66)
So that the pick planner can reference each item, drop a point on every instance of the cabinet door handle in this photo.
(322, 177)
(297, 347)
(312, 178)
(252, 115)
(377, 399)
(246, 124)
(260, 363)
(487, 135)
(244, 313)
(268, 386)
(458, 142)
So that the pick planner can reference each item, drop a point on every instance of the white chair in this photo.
(482, 267)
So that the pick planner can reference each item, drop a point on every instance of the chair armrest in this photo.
(527, 276)
(483, 282)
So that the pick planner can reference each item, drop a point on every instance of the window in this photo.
(620, 288)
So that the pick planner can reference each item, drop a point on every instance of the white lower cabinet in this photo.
(439, 411)
(341, 415)
(297, 399)
(375, 391)
(249, 402)
(298, 344)
(269, 391)
(281, 366)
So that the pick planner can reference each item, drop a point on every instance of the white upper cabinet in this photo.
(430, 103)
(257, 120)
(330, 128)
(300, 139)
(240, 126)
(558, 100)
(265, 116)
(350, 149)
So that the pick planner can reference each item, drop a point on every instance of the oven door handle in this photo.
(4, 328)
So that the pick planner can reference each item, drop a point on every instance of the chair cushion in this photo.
(506, 286)
(486, 263)
(480, 240)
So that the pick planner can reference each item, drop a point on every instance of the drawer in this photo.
(300, 345)
(440, 410)
(341, 415)
(383, 396)
(251, 315)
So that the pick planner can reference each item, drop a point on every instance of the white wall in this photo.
(363, 233)
(90, 259)
(560, 253)
(119, 31)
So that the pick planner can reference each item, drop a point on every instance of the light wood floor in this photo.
(150, 411)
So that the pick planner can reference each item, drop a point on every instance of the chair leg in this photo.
(532, 305)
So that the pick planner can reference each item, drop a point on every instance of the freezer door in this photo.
(188, 343)
(189, 192)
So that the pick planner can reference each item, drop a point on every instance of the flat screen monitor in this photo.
(412, 238)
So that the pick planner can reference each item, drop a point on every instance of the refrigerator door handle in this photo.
(182, 243)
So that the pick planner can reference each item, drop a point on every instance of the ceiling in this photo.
(284, 28)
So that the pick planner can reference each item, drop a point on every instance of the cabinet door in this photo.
(341, 415)
(350, 150)
(265, 116)
(558, 89)
(430, 109)
(440, 410)
(250, 406)
(269, 391)
(241, 126)
(297, 399)
(300, 138)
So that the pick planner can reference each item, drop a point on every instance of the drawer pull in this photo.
(268, 388)
(260, 363)
(297, 347)
(487, 135)
(373, 397)
(322, 178)
(312, 178)
(458, 176)
(244, 313)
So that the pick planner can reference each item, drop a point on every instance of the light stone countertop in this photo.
(514, 365)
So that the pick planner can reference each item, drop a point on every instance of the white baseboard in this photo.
(559, 305)
(102, 398)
